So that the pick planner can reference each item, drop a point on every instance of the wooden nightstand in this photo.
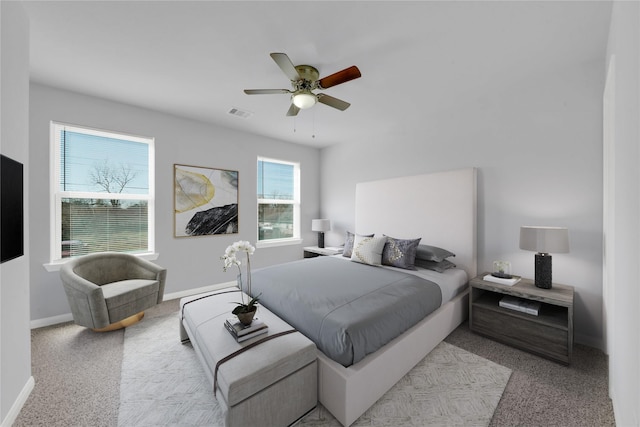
(314, 251)
(548, 334)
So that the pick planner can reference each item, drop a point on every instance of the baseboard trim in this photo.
(62, 318)
(13, 413)
(589, 341)
(48, 321)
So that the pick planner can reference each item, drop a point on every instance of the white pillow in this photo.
(368, 250)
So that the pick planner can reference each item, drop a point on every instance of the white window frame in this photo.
(295, 240)
(56, 195)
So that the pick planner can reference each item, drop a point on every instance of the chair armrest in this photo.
(86, 299)
(73, 281)
(148, 270)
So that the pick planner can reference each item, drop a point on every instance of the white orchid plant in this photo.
(230, 258)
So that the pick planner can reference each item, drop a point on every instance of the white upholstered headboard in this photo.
(438, 207)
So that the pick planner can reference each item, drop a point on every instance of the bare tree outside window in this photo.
(112, 179)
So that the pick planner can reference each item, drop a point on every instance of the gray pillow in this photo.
(432, 253)
(440, 267)
(400, 253)
(348, 243)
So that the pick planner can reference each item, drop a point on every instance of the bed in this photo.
(352, 309)
(441, 209)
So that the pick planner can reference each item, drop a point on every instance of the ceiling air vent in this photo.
(240, 113)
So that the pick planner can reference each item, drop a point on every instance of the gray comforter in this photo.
(348, 309)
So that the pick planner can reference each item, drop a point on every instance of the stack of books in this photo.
(524, 306)
(243, 333)
(509, 282)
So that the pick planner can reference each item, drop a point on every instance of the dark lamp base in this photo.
(543, 271)
(321, 239)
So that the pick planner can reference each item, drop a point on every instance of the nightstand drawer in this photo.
(515, 329)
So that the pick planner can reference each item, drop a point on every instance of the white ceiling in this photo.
(193, 59)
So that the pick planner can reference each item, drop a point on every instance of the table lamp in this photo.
(320, 225)
(544, 240)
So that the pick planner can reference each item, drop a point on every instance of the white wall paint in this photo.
(191, 262)
(622, 229)
(15, 340)
(538, 148)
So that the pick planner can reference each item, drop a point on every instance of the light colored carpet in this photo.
(77, 374)
(163, 384)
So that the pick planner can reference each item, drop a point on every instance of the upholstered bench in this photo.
(273, 382)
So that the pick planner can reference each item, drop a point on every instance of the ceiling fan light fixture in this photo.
(304, 99)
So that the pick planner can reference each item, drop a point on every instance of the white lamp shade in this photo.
(320, 225)
(304, 99)
(544, 239)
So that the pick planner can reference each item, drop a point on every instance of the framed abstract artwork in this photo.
(205, 201)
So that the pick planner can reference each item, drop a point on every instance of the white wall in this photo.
(191, 262)
(15, 340)
(622, 229)
(538, 149)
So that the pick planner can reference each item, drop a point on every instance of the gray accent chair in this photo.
(109, 290)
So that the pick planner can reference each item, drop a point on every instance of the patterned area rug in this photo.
(163, 385)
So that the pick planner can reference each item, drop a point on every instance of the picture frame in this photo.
(205, 201)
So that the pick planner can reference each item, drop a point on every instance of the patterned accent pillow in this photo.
(432, 253)
(348, 243)
(400, 253)
(368, 250)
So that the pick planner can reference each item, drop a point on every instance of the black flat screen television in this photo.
(11, 209)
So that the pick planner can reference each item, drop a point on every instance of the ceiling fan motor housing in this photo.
(308, 73)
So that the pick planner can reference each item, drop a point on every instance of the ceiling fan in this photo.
(304, 80)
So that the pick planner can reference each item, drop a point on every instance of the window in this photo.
(102, 194)
(278, 201)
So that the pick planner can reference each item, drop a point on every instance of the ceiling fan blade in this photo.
(293, 110)
(286, 65)
(340, 77)
(265, 91)
(333, 102)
